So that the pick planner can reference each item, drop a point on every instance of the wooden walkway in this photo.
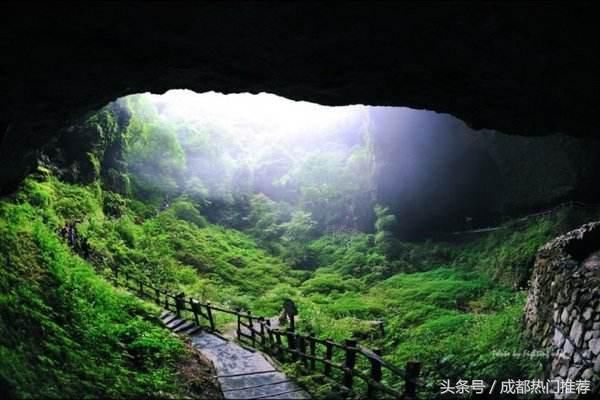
(241, 373)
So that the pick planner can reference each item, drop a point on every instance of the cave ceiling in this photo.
(525, 69)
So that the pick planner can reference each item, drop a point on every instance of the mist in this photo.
(430, 170)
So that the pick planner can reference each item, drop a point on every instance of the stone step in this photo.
(175, 323)
(241, 372)
(227, 350)
(169, 318)
(185, 326)
(299, 394)
(204, 340)
(232, 365)
(191, 331)
(267, 388)
(249, 381)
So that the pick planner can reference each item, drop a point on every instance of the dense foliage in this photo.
(243, 222)
(246, 177)
(443, 304)
(64, 331)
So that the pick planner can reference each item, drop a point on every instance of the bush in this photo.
(113, 204)
(330, 283)
(38, 194)
(186, 211)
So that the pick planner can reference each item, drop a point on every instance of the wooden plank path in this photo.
(241, 373)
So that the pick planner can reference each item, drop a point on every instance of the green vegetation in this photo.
(64, 331)
(274, 223)
(450, 306)
(246, 177)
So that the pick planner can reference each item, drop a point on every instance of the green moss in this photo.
(38, 194)
(330, 283)
(65, 332)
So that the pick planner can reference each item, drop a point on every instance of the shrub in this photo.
(38, 194)
(186, 211)
(330, 283)
(113, 204)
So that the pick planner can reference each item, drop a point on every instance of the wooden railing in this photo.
(351, 360)
(356, 368)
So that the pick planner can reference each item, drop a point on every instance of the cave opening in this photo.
(403, 209)
(338, 164)
(378, 221)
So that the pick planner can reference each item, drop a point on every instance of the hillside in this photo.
(65, 331)
(449, 305)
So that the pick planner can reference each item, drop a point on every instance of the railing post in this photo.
(280, 351)
(413, 368)
(313, 350)
(263, 341)
(291, 338)
(239, 324)
(302, 350)
(350, 346)
(251, 327)
(179, 304)
(328, 356)
(270, 333)
(375, 375)
(209, 314)
(194, 304)
(157, 295)
(166, 301)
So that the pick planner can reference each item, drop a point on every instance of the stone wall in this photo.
(563, 307)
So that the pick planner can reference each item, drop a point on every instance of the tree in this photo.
(385, 240)
(297, 233)
(266, 219)
(299, 228)
(156, 159)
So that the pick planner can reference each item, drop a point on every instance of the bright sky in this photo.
(277, 115)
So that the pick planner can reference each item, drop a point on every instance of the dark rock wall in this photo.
(91, 149)
(539, 171)
(517, 68)
(430, 170)
(433, 171)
